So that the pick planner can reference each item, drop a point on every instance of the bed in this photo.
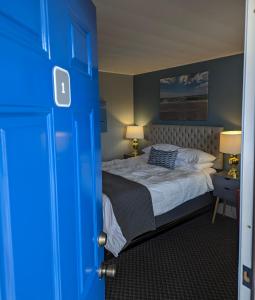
(174, 195)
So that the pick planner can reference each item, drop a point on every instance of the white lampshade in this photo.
(230, 142)
(134, 132)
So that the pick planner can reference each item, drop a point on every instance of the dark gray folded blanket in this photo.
(131, 203)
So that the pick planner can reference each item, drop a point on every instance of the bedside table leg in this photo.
(215, 209)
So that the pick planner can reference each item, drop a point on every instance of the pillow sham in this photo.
(163, 147)
(203, 166)
(199, 166)
(165, 159)
(193, 156)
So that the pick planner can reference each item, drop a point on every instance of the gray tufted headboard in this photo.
(204, 138)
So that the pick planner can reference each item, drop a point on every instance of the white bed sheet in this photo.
(168, 189)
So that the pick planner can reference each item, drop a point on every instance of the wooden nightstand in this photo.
(129, 155)
(225, 188)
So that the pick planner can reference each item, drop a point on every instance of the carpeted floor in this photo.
(196, 260)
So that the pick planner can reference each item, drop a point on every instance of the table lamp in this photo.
(230, 143)
(135, 133)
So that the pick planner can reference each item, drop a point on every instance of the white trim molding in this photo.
(247, 165)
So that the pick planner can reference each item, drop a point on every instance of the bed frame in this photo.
(204, 138)
(179, 215)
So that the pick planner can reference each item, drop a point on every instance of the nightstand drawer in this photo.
(221, 182)
(225, 193)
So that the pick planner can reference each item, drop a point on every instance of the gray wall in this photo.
(117, 91)
(225, 93)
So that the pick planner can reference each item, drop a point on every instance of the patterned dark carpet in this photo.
(196, 260)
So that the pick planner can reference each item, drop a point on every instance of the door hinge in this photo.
(247, 277)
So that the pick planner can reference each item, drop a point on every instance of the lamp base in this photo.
(233, 172)
(135, 147)
(233, 162)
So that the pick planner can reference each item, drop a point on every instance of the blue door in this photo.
(50, 182)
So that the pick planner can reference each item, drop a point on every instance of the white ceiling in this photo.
(138, 36)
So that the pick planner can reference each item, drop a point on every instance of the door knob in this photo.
(107, 271)
(102, 239)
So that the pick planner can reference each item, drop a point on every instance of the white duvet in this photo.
(168, 188)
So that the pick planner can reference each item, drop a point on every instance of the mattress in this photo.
(168, 189)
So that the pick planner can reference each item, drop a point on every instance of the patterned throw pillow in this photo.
(165, 159)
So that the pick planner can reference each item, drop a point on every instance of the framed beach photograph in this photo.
(184, 97)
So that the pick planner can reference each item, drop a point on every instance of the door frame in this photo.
(248, 141)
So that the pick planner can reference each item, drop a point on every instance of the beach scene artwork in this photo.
(184, 97)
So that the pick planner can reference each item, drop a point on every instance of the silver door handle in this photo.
(102, 239)
(107, 271)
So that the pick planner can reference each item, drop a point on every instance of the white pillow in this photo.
(193, 156)
(199, 166)
(203, 166)
(163, 147)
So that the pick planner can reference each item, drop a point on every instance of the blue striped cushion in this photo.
(162, 158)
